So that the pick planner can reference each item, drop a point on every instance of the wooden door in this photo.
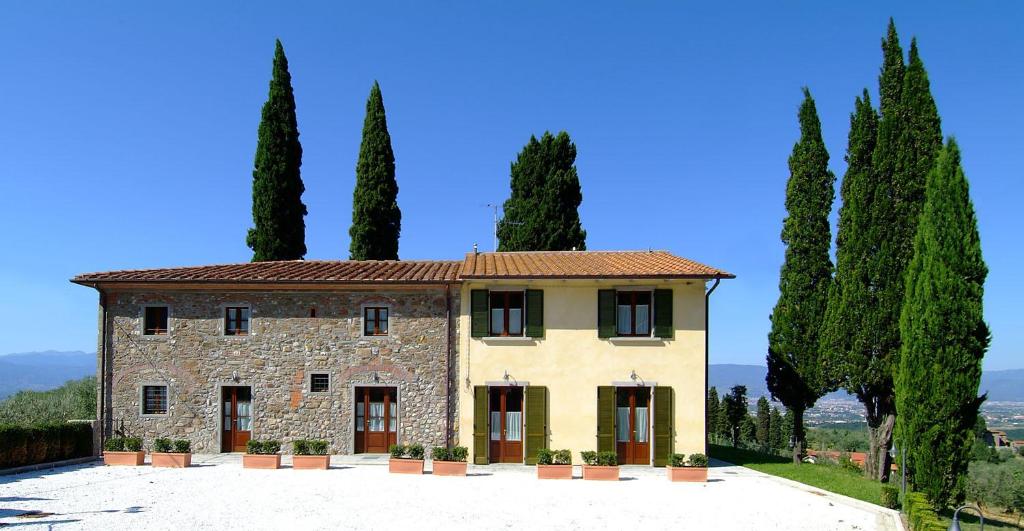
(376, 419)
(237, 418)
(506, 424)
(633, 425)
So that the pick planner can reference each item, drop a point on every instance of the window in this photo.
(375, 321)
(155, 321)
(633, 313)
(506, 313)
(319, 382)
(154, 400)
(236, 321)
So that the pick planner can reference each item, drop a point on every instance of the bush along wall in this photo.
(921, 514)
(29, 445)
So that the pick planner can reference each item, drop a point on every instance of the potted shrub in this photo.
(310, 455)
(554, 464)
(449, 462)
(406, 459)
(123, 451)
(600, 466)
(693, 469)
(172, 454)
(262, 454)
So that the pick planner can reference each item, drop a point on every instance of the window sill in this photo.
(515, 340)
(641, 340)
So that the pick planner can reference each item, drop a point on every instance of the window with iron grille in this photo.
(236, 321)
(154, 321)
(154, 400)
(319, 382)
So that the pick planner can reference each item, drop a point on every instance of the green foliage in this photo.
(697, 460)
(748, 431)
(542, 213)
(300, 447)
(75, 400)
(258, 447)
(133, 444)
(921, 514)
(415, 451)
(997, 485)
(589, 457)
(677, 460)
(554, 457)
(944, 337)
(440, 453)
(777, 435)
(764, 423)
(162, 445)
(837, 439)
(376, 218)
(28, 445)
(182, 446)
(397, 451)
(795, 375)
(607, 459)
(318, 447)
(713, 406)
(459, 454)
(890, 497)
(279, 231)
(735, 406)
(114, 444)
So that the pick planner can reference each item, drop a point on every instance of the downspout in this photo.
(448, 366)
(707, 350)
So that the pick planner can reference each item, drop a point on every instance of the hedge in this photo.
(921, 514)
(29, 445)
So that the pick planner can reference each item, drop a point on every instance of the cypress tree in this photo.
(764, 423)
(712, 412)
(735, 406)
(542, 213)
(376, 219)
(777, 437)
(724, 429)
(748, 430)
(279, 231)
(944, 337)
(794, 372)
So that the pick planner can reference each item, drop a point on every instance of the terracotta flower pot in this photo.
(449, 468)
(171, 460)
(311, 462)
(405, 466)
(687, 473)
(601, 473)
(261, 461)
(554, 471)
(124, 458)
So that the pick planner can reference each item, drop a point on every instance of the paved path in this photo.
(217, 493)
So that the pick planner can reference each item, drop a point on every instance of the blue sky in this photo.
(128, 132)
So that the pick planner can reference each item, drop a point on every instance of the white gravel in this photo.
(217, 493)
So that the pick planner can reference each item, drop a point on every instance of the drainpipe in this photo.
(707, 350)
(448, 365)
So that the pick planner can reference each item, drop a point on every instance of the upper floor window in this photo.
(633, 313)
(154, 321)
(506, 313)
(375, 321)
(236, 321)
(154, 399)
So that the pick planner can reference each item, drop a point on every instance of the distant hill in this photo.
(1002, 386)
(41, 371)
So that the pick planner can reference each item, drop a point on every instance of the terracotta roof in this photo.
(585, 264)
(298, 271)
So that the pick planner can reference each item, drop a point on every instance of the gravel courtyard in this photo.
(216, 493)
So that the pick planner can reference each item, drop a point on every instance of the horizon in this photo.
(136, 150)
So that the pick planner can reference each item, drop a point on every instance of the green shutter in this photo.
(534, 313)
(536, 422)
(478, 312)
(480, 424)
(606, 418)
(663, 313)
(664, 414)
(605, 313)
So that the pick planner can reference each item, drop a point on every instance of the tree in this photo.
(748, 431)
(712, 412)
(735, 406)
(376, 218)
(764, 423)
(542, 213)
(279, 231)
(794, 376)
(724, 428)
(777, 437)
(944, 336)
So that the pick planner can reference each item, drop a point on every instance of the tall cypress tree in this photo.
(944, 336)
(794, 376)
(777, 437)
(712, 412)
(542, 214)
(736, 411)
(277, 209)
(376, 219)
(764, 423)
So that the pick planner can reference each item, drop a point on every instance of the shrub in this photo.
(76, 399)
(318, 447)
(677, 460)
(257, 447)
(459, 454)
(133, 444)
(440, 453)
(415, 451)
(890, 497)
(698, 460)
(397, 451)
(545, 457)
(300, 447)
(162, 445)
(563, 457)
(28, 445)
(921, 514)
(846, 463)
(589, 457)
(114, 444)
(607, 459)
(182, 446)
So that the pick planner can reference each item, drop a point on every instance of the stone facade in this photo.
(285, 345)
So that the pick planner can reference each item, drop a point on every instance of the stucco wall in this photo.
(285, 345)
(571, 361)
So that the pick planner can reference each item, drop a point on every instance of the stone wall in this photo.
(285, 345)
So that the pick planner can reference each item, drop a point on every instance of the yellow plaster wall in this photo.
(571, 361)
